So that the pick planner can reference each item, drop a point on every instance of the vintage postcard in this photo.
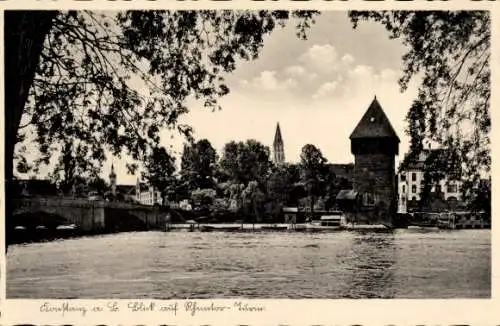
(249, 163)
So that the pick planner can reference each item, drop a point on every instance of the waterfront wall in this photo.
(94, 216)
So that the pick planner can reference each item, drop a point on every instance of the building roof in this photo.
(277, 135)
(374, 124)
(412, 162)
(342, 170)
(125, 189)
(347, 194)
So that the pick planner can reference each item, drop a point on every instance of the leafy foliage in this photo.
(450, 51)
(254, 197)
(312, 171)
(197, 165)
(98, 185)
(203, 199)
(281, 183)
(480, 197)
(244, 162)
(72, 167)
(159, 170)
(113, 81)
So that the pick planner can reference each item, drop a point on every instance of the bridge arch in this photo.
(32, 220)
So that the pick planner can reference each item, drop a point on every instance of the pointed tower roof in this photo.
(374, 124)
(112, 170)
(277, 136)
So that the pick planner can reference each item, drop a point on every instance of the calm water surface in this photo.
(395, 264)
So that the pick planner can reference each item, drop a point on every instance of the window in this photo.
(403, 200)
(368, 199)
(403, 189)
(414, 198)
(413, 176)
(414, 189)
(402, 177)
(452, 188)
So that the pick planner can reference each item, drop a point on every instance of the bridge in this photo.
(87, 215)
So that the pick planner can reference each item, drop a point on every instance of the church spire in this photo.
(278, 147)
(277, 135)
(112, 180)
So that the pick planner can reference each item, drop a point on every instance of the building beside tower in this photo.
(278, 147)
(146, 194)
(374, 144)
(445, 194)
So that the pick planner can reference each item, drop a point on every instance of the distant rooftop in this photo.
(374, 124)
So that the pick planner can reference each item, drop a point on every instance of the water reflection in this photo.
(373, 257)
(397, 264)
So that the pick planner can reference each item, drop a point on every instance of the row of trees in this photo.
(243, 179)
(68, 76)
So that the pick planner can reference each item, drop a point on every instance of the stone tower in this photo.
(112, 180)
(375, 144)
(278, 147)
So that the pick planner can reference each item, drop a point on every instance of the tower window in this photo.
(414, 189)
(452, 188)
(403, 189)
(413, 176)
(402, 177)
(438, 189)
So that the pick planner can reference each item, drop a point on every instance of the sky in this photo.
(316, 89)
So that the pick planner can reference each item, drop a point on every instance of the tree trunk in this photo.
(312, 207)
(24, 35)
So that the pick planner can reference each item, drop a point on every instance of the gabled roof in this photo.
(418, 162)
(277, 135)
(126, 189)
(347, 194)
(374, 124)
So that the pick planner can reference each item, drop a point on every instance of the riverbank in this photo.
(47, 235)
(244, 227)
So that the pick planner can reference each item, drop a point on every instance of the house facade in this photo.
(411, 182)
(147, 195)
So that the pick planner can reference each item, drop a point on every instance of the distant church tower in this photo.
(278, 147)
(375, 144)
(112, 180)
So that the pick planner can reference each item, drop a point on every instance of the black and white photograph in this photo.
(247, 154)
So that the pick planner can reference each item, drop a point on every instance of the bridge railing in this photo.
(72, 202)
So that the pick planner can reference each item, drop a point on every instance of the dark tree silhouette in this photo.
(451, 51)
(312, 169)
(198, 164)
(77, 73)
(159, 170)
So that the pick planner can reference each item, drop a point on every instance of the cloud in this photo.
(325, 89)
(295, 71)
(320, 58)
(356, 80)
(268, 80)
(366, 77)
(347, 59)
